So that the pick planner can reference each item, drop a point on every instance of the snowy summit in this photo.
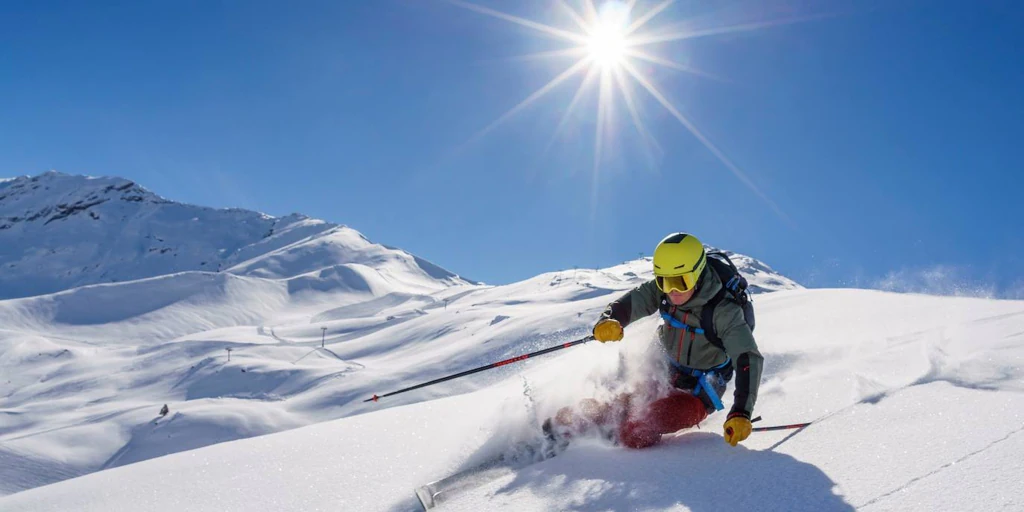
(59, 231)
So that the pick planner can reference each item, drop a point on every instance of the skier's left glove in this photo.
(737, 428)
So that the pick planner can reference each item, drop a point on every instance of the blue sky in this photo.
(887, 134)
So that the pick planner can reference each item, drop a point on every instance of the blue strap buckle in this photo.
(702, 381)
(674, 322)
(733, 284)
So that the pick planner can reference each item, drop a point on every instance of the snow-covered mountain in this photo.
(265, 367)
(760, 277)
(59, 231)
(221, 314)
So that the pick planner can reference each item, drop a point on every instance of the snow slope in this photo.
(59, 231)
(916, 402)
(915, 398)
(86, 370)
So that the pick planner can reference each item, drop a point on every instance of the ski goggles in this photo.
(680, 283)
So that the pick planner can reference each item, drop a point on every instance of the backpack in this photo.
(734, 288)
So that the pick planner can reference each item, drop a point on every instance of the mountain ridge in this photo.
(60, 231)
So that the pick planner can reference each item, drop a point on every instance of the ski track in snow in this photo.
(940, 469)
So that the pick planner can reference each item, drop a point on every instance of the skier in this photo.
(689, 295)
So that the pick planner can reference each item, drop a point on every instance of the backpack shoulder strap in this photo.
(707, 319)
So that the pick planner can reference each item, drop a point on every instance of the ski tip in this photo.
(373, 398)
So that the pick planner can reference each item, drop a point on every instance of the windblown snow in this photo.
(915, 399)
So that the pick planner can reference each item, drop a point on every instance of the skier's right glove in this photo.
(608, 329)
(737, 428)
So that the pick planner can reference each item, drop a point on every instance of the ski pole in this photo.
(777, 427)
(510, 360)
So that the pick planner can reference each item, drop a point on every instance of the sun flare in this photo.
(615, 53)
(607, 48)
(606, 38)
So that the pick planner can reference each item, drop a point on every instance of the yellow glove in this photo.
(608, 329)
(737, 428)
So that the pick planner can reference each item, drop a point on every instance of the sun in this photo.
(607, 47)
(615, 54)
(607, 40)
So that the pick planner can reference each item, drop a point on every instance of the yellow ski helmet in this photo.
(679, 260)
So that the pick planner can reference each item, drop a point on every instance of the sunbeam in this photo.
(547, 29)
(681, 34)
(672, 65)
(703, 139)
(634, 114)
(606, 41)
(580, 22)
(591, 73)
(648, 16)
(531, 98)
(568, 52)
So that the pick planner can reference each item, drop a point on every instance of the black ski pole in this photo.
(511, 360)
(777, 427)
